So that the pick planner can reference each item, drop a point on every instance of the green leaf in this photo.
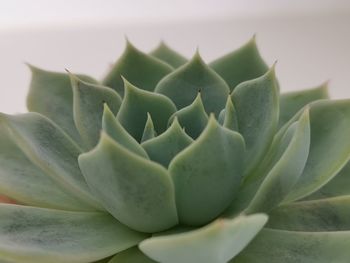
(136, 191)
(207, 174)
(217, 242)
(143, 70)
(36, 235)
(166, 146)
(192, 118)
(49, 148)
(256, 104)
(115, 130)
(329, 148)
(240, 65)
(292, 102)
(287, 170)
(230, 116)
(135, 106)
(27, 184)
(183, 85)
(168, 55)
(51, 95)
(148, 132)
(131, 255)
(332, 214)
(88, 101)
(337, 186)
(276, 246)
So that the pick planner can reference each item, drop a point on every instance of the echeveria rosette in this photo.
(169, 160)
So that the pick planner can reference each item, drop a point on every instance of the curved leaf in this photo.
(332, 214)
(143, 70)
(49, 148)
(329, 148)
(36, 235)
(230, 116)
(192, 118)
(240, 65)
(207, 174)
(285, 172)
(148, 132)
(166, 146)
(23, 181)
(256, 104)
(136, 191)
(88, 101)
(115, 130)
(292, 102)
(183, 85)
(131, 255)
(135, 106)
(168, 55)
(276, 246)
(51, 94)
(217, 242)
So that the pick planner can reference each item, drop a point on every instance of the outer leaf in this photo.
(217, 242)
(135, 106)
(24, 182)
(49, 148)
(131, 255)
(183, 85)
(240, 65)
(276, 246)
(207, 174)
(88, 108)
(116, 131)
(35, 235)
(168, 55)
(148, 132)
(136, 191)
(330, 146)
(292, 102)
(192, 118)
(332, 214)
(256, 104)
(166, 146)
(143, 70)
(285, 172)
(51, 94)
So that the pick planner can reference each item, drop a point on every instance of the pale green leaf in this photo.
(168, 55)
(230, 116)
(148, 131)
(131, 255)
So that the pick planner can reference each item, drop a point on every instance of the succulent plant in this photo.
(169, 160)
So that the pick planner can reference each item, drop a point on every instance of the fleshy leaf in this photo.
(338, 186)
(115, 130)
(136, 191)
(240, 65)
(329, 148)
(230, 116)
(23, 181)
(168, 55)
(207, 174)
(88, 101)
(192, 118)
(131, 255)
(49, 148)
(36, 235)
(183, 85)
(148, 132)
(276, 246)
(332, 214)
(256, 104)
(51, 95)
(167, 145)
(286, 172)
(217, 242)
(143, 70)
(292, 102)
(135, 106)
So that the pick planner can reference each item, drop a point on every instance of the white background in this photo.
(310, 39)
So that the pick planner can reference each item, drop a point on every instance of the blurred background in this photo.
(309, 38)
